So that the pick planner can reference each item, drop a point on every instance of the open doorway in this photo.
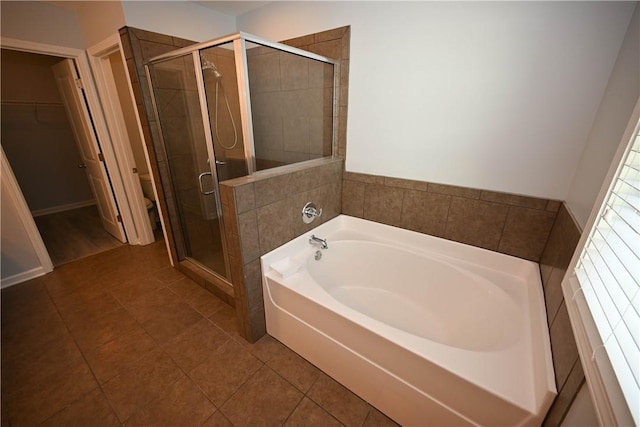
(38, 140)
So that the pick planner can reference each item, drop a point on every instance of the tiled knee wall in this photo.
(265, 211)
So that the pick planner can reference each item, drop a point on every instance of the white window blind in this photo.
(608, 271)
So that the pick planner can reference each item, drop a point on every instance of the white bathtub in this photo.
(429, 331)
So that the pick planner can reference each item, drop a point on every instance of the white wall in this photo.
(622, 93)
(99, 20)
(498, 96)
(182, 19)
(41, 23)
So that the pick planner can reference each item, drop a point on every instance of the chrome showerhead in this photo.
(208, 65)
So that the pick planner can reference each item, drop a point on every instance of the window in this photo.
(603, 296)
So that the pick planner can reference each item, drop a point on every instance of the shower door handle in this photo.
(203, 174)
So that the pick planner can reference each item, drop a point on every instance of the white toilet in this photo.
(149, 198)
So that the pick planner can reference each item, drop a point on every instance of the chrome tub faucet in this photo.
(316, 241)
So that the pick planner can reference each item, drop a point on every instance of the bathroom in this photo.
(488, 96)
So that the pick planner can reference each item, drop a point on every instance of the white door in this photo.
(73, 98)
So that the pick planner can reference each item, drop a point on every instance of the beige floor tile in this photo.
(225, 319)
(225, 371)
(265, 348)
(130, 290)
(294, 368)
(217, 420)
(376, 418)
(91, 334)
(141, 382)
(163, 315)
(266, 399)
(197, 297)
(33, 404)
(195, 344)
(184, 405)
(168, 275)
(90, 410)
(58, 355)
(109, 359)
(339, 401)
(309, 414)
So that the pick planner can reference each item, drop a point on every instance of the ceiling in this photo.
(233, 8)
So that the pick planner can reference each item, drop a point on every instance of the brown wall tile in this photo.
(563, 346)
(249, 239)
(476, 222)
(563, 240)
(514, 200)
(526, 232)
(353, 198)
(275, 225)
(553, 295)
(566, 396)
(451, 190)
(383, 204)
(245, 197)
(425, 212)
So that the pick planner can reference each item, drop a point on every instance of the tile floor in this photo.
(121, 338)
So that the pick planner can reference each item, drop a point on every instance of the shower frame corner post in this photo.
(242, 73)
(336, 111)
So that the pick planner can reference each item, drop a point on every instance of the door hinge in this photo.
(101, 157)
(79, 84)
(119, 218)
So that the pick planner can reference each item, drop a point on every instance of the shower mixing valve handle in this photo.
(310, 212)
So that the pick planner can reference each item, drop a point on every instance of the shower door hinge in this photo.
(101, 157)
(119, 218)
(79, 84)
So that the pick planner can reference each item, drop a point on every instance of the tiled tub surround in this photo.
(507, 223)
(555, 259)
(536, 229)
(264, 211)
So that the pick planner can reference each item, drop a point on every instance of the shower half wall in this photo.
(320, 178)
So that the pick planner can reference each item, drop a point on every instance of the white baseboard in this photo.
(62, 208)
(23, 277)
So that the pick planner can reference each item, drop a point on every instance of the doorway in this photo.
(50, 168)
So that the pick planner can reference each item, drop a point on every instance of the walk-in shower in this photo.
(228, 108)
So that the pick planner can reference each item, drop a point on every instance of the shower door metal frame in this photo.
(242, 72)
(240, 55)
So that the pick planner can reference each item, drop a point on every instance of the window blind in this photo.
(608, 271)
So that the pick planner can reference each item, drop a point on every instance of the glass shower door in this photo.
(192, 171)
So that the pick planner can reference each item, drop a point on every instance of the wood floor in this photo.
(74, 234)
